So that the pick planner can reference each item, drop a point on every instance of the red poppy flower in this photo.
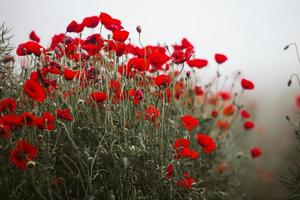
(70, 74)
(198, 91)
(22, 154)
(255, 152)
(28, 119)
(33, 36)
(214, 113)
(198, 63)
(181, 143)
(91, 22)
(99, 97)
(223, 125)
(141, 64)
(120, 35)
(151, 113)
(11, 120)
(186, 183)
(162, 80)
(5, 131)
(220, 58)
(206, 142)
(229, 110)
(74, 27)
(105, 18)
(64, 114)
(225, 95)
(34, 90)
(169, 171)
(180, 56)
(189, 122)
(46, 121)
(29, 48)
(247, 85)
(8, 103)
(245, 114)
(249, 125)
(187, 152)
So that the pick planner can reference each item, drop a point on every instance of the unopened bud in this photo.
(139, 29)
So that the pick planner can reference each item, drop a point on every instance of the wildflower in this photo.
(220, 58)
(29, 48)
(162, 80)
(223, 125)
(11, 120)
(214, 113)
(255, 152)
(91, 22)
(33, 36)
(198, 91)
(229, 110)
(189, 122)
(64, 114)
(141, 64)
(151, 113)
(22, 154)
(247, 85)
(169, 171)
(198, 63)
(70, 74)
(120, 35)
(28, 119)
(186, 182)
(245, 114)
(99, 97)
(34, 90)
(225, 95)
(206, 142)
(249, 125)
(46, 121)
(8, 103)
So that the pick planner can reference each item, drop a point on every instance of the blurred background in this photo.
(252, 33)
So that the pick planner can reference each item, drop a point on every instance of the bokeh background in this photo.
(252, 33)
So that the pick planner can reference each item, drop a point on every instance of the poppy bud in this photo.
(139, 29)
(286, 47)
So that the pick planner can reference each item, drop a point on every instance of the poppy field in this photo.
(104, 117)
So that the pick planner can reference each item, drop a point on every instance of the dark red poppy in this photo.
(64, 114)
(33, 36)
(105, 19)
(151, 113)
(247, 85)
(74, 27)
(180, 56)
(141, 64)
(248, 125)
(28, 119)
(214, 113)
(198, 63)
(46, 121)
(220, 58)
(245, 114)
(225, 95)
(162, 80)
(186, 182)
(91, 22)
(99, 97)
(198, 91)
(22, 154)
(169, 171)
(206, 142)
(181, 143)
(11, 120)
(120, 35)
(34, 90)
(189, 122)
(255, 152)
(8, 103)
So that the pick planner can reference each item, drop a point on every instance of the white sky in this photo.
(251, 32)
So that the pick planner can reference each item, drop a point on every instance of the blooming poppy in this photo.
(91, 22)
(29, 48)
(180, 56)
(99, 97)
(105, 18)
(70, 74)
(198, 63)
(249, 125)
(64, 114)
(214, 113)
(74, 27)
(206, 142)
(46, 121)
(151, 113)
(223, 125)
(141, 64)
(28, 119)
(220, 58)
(162, 80)
(34, 90)
(229, 110)
(189, 122)
(247, 85)
(8, 103)
(11, 120)
(186, 182)
(120, 35)
(169, 171)
(225, 95)
(255, 152)
(245, 114)
(198, 91)
(33, 36)
(22, 154)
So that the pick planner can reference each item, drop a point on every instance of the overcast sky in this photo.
(252, 33)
